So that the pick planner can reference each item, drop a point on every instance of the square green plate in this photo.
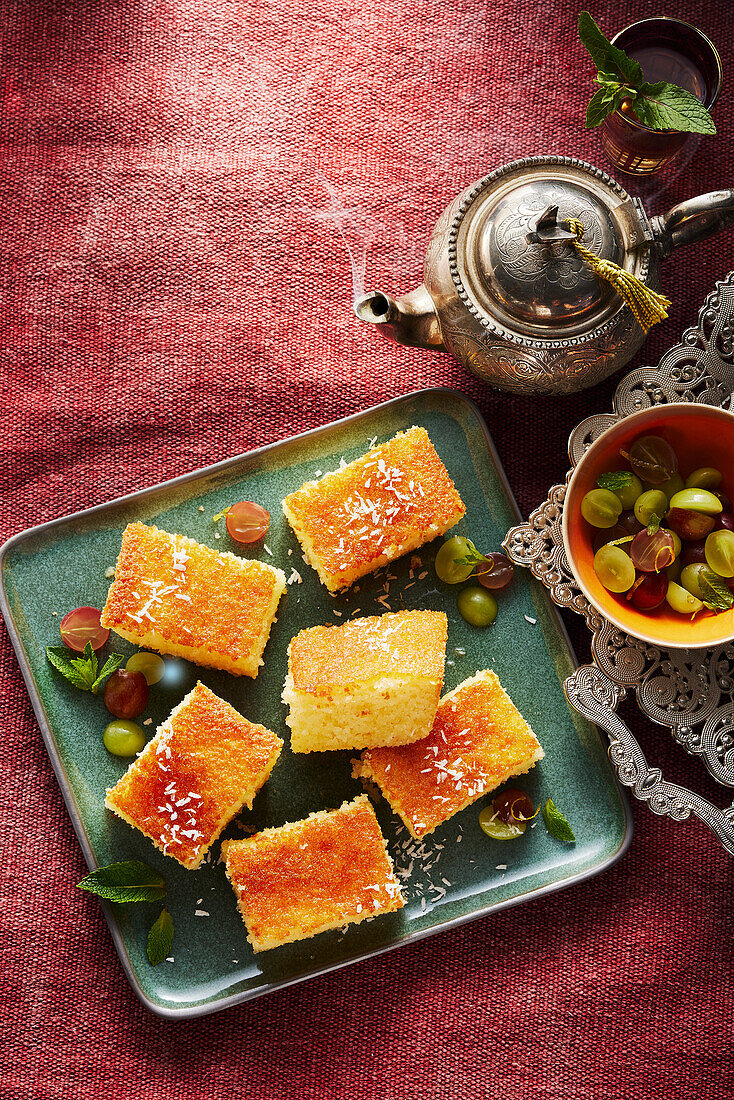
(61, 565)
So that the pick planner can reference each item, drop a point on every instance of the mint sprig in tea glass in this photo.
(671, 50)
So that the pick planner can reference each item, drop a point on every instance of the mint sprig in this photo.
(83, 672)
(131, 880)
(653, 524)
(472, 556)
(160, 938)
(718, 595)
(659, 106)
(556, 823)
(617, 479)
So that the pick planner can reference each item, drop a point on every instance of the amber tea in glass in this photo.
(667, 49)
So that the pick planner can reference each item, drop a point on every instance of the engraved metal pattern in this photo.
(593, 694)
(689, 691)
(491, 324)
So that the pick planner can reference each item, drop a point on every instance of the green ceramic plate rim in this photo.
(210, 1007)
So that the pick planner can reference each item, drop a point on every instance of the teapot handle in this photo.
(694, 219)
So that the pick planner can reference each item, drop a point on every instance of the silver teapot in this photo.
(506, 293)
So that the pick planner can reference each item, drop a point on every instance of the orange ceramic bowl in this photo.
(701, 436)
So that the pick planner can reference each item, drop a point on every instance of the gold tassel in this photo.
(647, 306)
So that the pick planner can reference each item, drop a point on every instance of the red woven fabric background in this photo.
(173, 294)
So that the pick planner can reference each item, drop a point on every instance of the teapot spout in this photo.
(410, 320)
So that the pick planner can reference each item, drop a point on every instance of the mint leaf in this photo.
(160, 938)
(600, 105)
(612, 63)
(82, 671)
(664, 106)
(653, 524)
(717, 594)
(112, 663)
(556, 823)
(619, 479)
(58, 655)
(127, 881)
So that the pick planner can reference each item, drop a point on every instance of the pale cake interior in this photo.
(389, 710)
(370, 681)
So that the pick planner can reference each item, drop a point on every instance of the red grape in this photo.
(81, 626)
(690, 525)
(247, 522)
(693, 552)
(649, 593)
(629, 522)
(495, 572)
(653, 459)
(726, 503)
(513, 805)
(725, 522)
(126, 694)
(610, 534)
(652, 553)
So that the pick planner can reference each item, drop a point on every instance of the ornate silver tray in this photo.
(689, 691)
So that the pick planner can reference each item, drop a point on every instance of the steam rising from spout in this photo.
(357, 229)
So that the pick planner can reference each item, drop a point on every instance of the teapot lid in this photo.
(511, 255)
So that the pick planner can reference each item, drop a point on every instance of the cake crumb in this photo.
(217, 535)
(529, 619)
(148, 722)
(54, 613)
(109, 571)
(201, 507)
(201, 913)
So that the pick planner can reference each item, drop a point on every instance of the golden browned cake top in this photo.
(188, 593)
(400, 643)
(395, 491)
(201, 763)
(477, 738)
(324, 870)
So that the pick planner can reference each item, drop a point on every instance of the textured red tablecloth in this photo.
(172, 294)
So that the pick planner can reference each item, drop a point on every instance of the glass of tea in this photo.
(667, 49)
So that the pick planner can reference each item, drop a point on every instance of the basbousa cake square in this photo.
(478, 741)
(310, 876)
(180, 598)
(204, 764)
(370, 681)
(356, 519)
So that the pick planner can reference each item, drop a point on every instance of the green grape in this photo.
(477, 606)
(614, 568)
(672, 486)
(705, 477)
(628, 494)
(652, 503)
(690, 578)
(490, 823)
(123, 738)
(720, 552)
(601, 508)
(697, 500)
(445, 564)
(150, 664)
(681, 600)
(677, 544)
